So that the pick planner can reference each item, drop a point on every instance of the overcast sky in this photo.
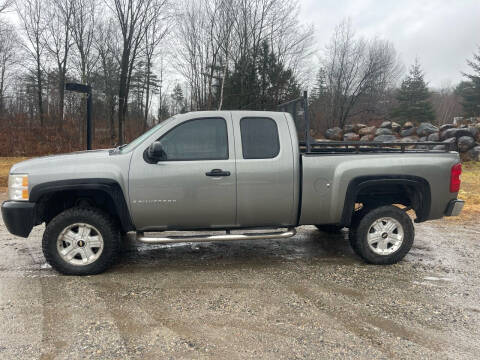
(441, 33)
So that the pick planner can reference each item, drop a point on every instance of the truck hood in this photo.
(55, 163)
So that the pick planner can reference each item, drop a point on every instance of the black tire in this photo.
(361, 224)
(91, 216)
(329, 229)
(356, 217)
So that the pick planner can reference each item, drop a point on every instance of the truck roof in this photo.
(243, 112)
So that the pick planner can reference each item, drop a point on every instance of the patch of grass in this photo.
(470, 192)
(5, 165)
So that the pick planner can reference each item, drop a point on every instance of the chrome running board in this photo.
(140, 236)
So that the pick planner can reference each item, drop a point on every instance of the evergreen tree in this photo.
(414, 98)
(470, 90)
(319, 90)
(259, 83)
(241, 86)
(178, 100)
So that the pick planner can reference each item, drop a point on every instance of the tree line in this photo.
(362, 80)
(228, 54)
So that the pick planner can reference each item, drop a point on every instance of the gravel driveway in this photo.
(307, 297)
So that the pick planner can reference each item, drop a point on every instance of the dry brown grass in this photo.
(470, 192)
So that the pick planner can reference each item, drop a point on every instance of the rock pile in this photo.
(466, 137)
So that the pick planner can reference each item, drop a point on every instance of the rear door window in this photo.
(259, 138)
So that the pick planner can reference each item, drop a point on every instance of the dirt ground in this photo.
(308, 297)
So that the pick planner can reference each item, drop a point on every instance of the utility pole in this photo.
(84, 89)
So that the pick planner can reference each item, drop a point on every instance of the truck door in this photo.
(195, 187)
(265, 170)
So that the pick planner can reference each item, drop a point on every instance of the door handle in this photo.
(217, 172)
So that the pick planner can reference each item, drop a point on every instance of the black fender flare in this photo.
(421, 186)
(110, 187)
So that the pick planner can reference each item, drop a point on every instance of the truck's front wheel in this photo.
(383, 235)
(81, 241)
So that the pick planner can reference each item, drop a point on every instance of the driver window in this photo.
(199, 139)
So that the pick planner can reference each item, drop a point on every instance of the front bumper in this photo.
(454, 207)
(19, 217)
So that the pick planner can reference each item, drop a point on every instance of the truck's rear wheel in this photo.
(383, 235)
(81, 241)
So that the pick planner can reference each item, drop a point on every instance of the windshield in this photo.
(130, 146)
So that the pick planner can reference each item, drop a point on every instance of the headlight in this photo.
(18, 187)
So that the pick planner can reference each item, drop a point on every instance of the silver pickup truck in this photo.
(241, 172)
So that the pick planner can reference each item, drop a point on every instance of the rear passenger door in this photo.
(265, 169)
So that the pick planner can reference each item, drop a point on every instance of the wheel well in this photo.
(51, 204)
(412, 192)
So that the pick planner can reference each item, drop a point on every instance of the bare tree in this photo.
(5, 4)
(82, 24)
(356, 69)
(224, 39)
(217, 35)
(109, 52)
(8, 58)
(134, 18)
(30, 13)
(58, 41)
(193, 49)
(154, 34)
(446, 104)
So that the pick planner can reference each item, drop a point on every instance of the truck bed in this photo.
(327, 175)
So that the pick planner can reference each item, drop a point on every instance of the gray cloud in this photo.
(441, 33)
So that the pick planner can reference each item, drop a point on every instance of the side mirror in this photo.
(156, 153)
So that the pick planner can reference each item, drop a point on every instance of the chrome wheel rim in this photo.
(80, 244)
(385, 236)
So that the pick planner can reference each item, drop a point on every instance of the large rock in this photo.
(449, 141)
(334, 134)
(434, 137)
(477, 136)
(408, 125)
(368, 130)
(348, 128)
(396, 126)
(446, 127)
(351, 136)
(368, 137)
(454, 132)
(386, 125)
(474, 130)
(409, 139)
(425, 129)
(465, 143)
(358, 126)
(408, 131)
(385, 138)
(383, 131)
(474, 154)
